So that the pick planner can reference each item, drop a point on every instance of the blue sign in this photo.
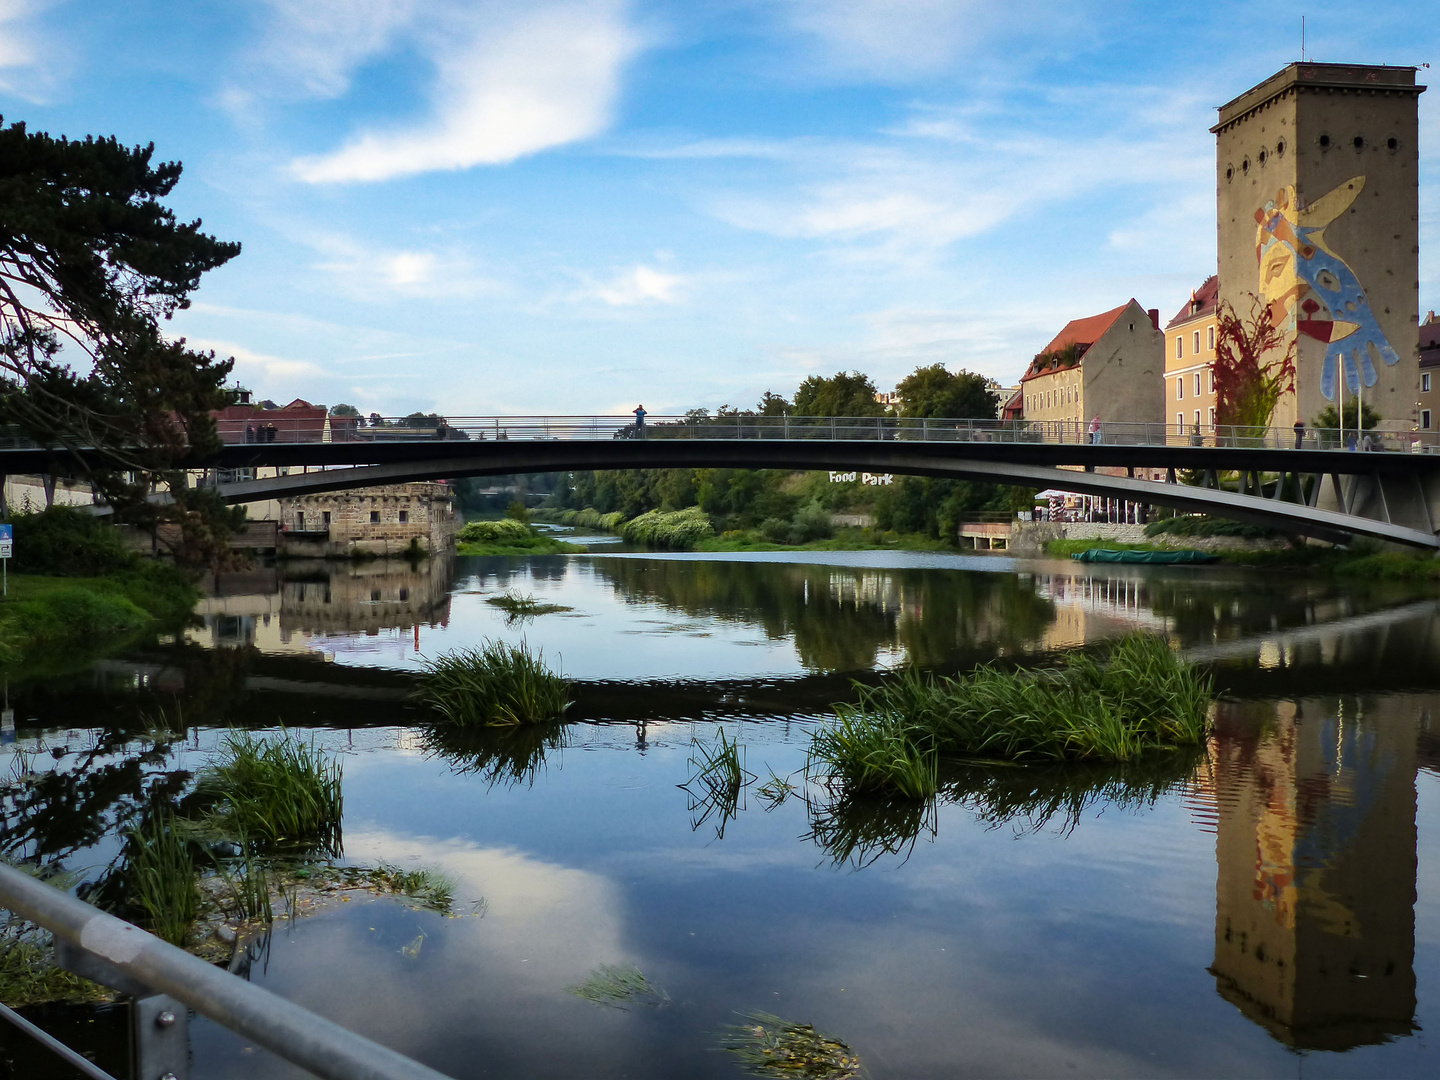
(7, 533)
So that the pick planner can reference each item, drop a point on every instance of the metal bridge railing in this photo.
(377, 429)
(166, 981)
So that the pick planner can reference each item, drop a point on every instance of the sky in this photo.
(577, 206)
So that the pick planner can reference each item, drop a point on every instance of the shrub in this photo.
(497, 684)
(504, 531)
(677, 530)
(65, 542)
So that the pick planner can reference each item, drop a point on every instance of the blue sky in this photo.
(571, 206)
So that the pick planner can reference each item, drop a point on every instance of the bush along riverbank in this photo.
(73, 583)
(1142, 699)
(693, 530)
(508, 536)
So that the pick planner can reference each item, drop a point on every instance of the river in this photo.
(1268, 907)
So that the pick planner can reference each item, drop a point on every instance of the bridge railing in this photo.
(848, 428)
(378, 429)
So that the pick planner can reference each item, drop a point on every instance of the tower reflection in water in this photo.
(1316, 844)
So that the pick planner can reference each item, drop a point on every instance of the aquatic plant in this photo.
(717, 779)
(29, 974)
(769, 1046)
(618, 987)
(274, 793)
(163, 878)
(520, 606)
(424, 887)
(1143, 699)
(775, 790)
(247, 880)
(874, 752)
(498, 684)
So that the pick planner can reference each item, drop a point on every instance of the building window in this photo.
(299, 521)
(374, 517)
(1180, 422)
(1180, 388)
(404, 517)
(1197, 419)
(1425, 419)
(1196, 350)
(1425, 381)
(1197, 384)
(1211, 337)
(325, 517)
(1212, 416)
(1179, 346)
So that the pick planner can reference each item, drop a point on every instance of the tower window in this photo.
(1262, 157)
(404, 517)
(1229, 173)
(1359, 142)
(1392, 143)
(1324, 142)
(1245, 166)
(1280, 148)
(374, 517)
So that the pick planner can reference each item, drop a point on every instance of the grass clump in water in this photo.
(496, 685)
(769, 1046)
(1143, 699)
(618, 987)
(163, 879)
(521, 606)
(274, 794)
(715, 784)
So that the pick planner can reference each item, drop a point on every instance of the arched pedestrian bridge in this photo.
(1320, 488)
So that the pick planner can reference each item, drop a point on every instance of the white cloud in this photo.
(253, 366)
(509, 83)
(374, 273)
(643, 284)
(910, 39)
(25, 57)
(313, 47)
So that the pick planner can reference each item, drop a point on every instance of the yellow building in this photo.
(1189, 362)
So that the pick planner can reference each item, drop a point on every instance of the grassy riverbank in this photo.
(46, 613)
(1360, 561)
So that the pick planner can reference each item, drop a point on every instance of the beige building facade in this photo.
(1107, 365)
(388, 520)
(1189, 363)
(1318, 216)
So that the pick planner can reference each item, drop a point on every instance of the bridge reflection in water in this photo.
(1316, 845)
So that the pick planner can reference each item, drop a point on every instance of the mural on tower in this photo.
(1310, 290)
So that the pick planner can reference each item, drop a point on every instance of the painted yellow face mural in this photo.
(1311, 291)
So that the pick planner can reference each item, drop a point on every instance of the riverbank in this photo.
(1363, 563)
(43, 613)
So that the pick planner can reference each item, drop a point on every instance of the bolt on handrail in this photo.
(282, 1027)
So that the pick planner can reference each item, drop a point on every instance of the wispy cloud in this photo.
(311, 48)
(643, 284)
(510, 81)
(414, 274)
(26, 59)
(251, 365)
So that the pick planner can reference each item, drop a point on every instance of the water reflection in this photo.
(1316, 845)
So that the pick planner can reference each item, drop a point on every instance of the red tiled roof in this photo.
(1202, 302)
(1082, 332)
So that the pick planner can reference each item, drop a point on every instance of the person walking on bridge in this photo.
(1299, 434)
(639, 421)
(1095, 430)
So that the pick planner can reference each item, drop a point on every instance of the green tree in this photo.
(843, 394)
(344, 410)
(774, 405)
(1329, 417)
(91, 263)
(934, 392)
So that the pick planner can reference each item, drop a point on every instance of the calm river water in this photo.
(1268, 907)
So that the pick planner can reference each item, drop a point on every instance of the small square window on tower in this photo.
(404, 517)
(374, 517)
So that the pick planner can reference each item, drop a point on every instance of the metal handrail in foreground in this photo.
(282, 1027)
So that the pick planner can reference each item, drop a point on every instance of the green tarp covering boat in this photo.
(1112, 555)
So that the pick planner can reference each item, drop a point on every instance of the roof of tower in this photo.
(1362, 77)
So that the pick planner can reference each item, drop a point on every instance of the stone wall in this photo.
(369, 521)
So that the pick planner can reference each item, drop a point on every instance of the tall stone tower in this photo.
(1319, 211)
